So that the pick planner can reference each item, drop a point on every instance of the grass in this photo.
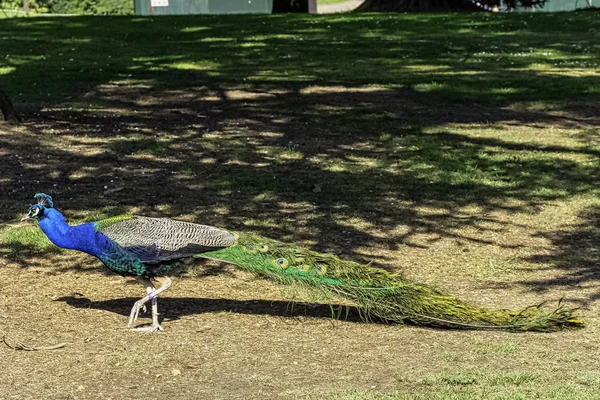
(27, 238)
(461, 393)
(464, 156)
(477, 385)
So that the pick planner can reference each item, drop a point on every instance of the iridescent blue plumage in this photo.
(85, 238)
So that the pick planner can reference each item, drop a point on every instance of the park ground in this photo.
(461, 150)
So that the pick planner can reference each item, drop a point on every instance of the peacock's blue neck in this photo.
(80, 237)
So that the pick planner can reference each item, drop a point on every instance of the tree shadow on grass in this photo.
(228, 123)
(576, 255)
(258, 159)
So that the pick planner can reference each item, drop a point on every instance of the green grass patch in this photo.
(27, 239)
(468, 57)
(497, 349)
(475, 385)
(140, 146)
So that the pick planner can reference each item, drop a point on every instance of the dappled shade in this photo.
(235, 120)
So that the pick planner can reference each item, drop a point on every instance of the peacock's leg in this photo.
(149, 288)
(140, 305)
(155, 325)
(151, 296)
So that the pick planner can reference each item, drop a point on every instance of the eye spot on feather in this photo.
(303, 268)
(281, 263)
(251, 249)
(321, 269)
(263, 248)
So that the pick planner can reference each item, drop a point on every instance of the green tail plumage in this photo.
(377, 293)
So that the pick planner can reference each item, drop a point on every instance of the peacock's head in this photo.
(36, 211)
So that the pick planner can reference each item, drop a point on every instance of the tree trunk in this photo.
(26, 6)
(6, 107)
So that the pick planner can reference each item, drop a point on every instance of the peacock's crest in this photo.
(44, 199)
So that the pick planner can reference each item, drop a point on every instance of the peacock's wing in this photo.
(155, 240)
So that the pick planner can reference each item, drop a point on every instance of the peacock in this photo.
(152, 249)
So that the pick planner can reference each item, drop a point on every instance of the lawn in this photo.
(461, 150)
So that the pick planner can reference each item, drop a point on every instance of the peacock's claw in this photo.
(135, 312)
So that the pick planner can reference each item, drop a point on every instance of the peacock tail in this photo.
(376, 293)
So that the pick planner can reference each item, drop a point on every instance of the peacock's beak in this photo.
(29, 215)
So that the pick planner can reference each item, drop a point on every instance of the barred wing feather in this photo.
(161, 239)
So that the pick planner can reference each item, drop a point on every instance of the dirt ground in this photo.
(233, 337)
(230, 336)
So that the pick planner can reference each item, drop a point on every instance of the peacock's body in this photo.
(151, 248)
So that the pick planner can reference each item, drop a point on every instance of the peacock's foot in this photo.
(135, 312)
(149, 329)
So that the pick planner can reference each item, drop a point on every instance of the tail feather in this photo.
(378, 294)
